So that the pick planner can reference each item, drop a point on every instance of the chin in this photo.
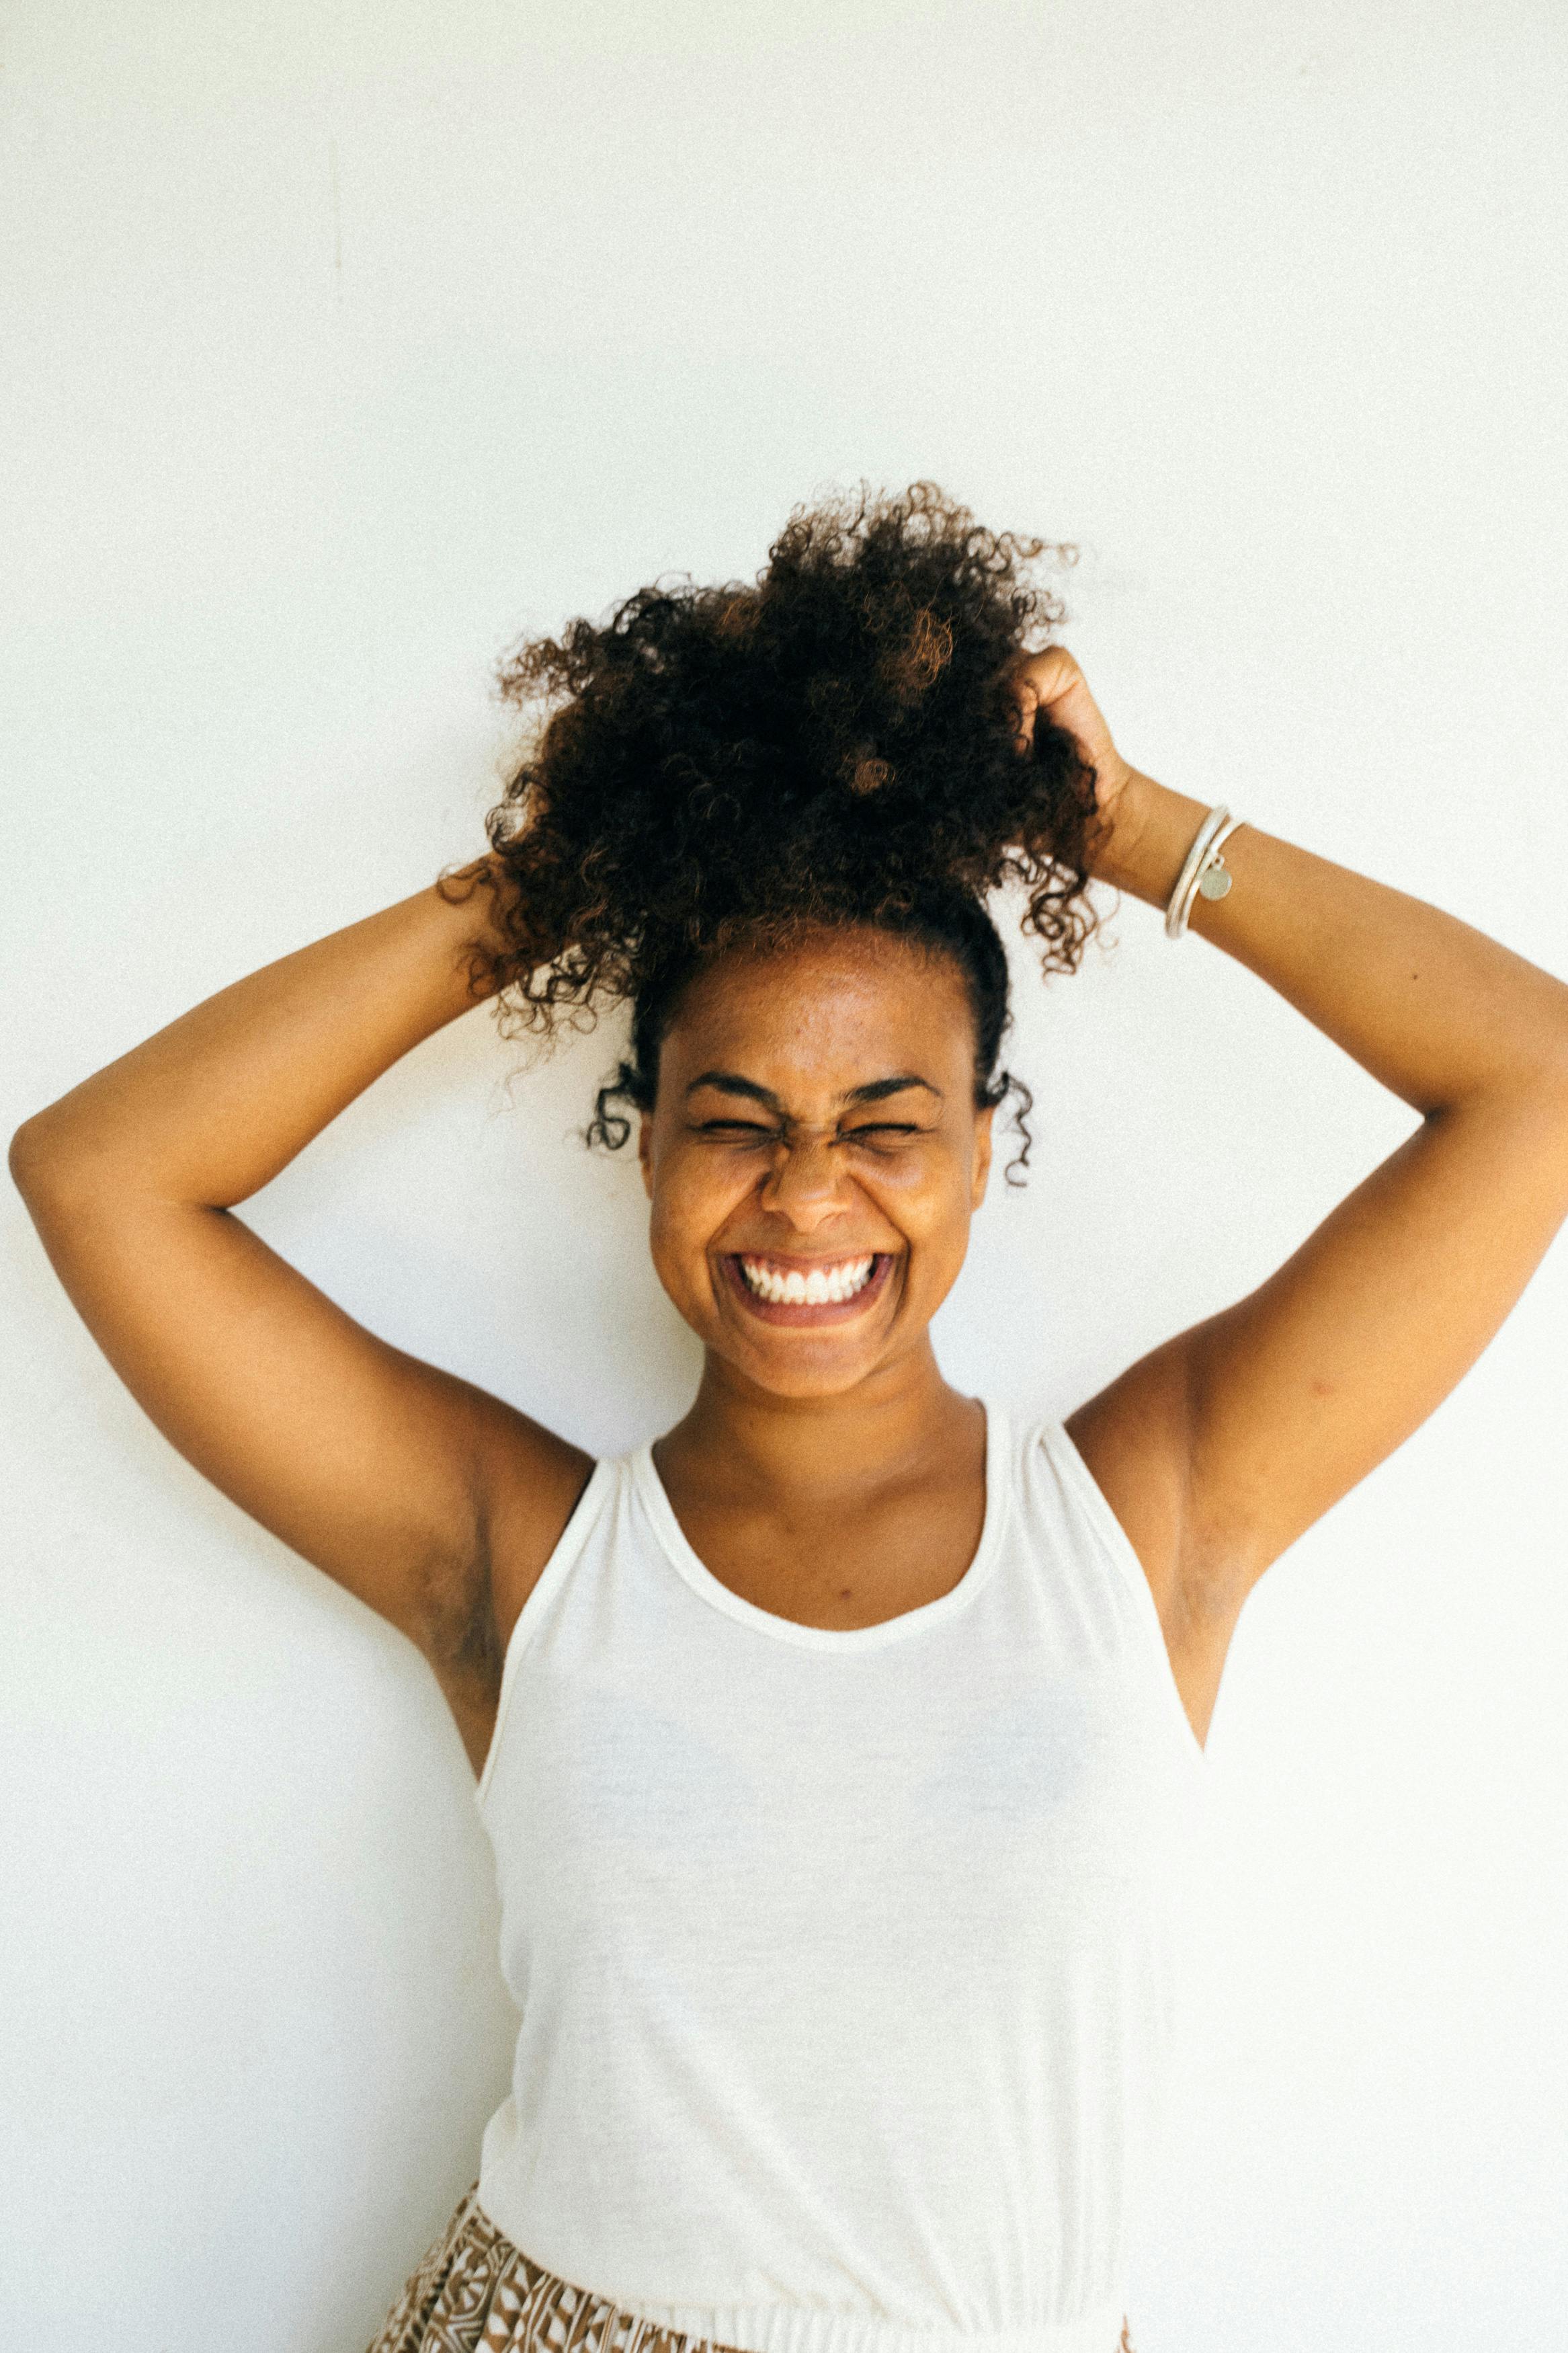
(797, 1364)
(806, 1374)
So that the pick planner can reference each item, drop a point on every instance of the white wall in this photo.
(348, 341)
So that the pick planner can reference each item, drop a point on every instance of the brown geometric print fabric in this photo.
(476, 2292)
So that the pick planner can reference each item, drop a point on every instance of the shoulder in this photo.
(1132, 1437)
(529, 1482)
(530, 1509)
(1135, 1439)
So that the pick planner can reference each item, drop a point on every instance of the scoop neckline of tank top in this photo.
(928, 1614)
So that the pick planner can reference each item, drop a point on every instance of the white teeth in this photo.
(823, 1286)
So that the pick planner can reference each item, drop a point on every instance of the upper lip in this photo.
(790, 1259)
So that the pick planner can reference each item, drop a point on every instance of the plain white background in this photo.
(346, 342)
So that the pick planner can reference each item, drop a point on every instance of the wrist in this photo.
(1144, 838)
(483, 898)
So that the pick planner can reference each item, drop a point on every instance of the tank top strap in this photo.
(1061, 1497)
(607, 1482)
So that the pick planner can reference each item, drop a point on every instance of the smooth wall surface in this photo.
(345, 343)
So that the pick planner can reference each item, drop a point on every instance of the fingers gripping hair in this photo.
(835, 743)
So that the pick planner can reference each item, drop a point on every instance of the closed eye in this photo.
(748, 1130)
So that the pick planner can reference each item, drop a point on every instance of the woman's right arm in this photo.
(435, 1503)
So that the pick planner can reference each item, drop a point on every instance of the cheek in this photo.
(691, 1197)
(943, 1234)
(929, 1202)
(936, 1176)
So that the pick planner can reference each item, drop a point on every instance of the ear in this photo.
(983, 1123)
(644, 1151)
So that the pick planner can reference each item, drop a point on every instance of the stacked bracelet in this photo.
(1204, 871)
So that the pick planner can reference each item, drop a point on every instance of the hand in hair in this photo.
(833, 742)
(1050, 687)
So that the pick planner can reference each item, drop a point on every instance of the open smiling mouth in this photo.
(820, 1291)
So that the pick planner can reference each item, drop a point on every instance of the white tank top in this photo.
(846, 1961)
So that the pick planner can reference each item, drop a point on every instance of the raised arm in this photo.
(1221, 1446)
(406, 1484)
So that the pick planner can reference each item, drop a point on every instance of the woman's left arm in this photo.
(1265, 1414)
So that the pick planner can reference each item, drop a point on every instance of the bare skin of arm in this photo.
(1220, 1446)
(410, 1487)
(439, 1504)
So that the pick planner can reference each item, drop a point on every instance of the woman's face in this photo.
(814, 1155)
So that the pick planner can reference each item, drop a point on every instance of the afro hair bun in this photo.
(828, 744)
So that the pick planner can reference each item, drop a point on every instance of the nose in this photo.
(804, 1184)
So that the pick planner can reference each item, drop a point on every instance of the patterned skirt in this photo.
(476, 2292)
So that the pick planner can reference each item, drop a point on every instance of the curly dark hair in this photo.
(713, 767)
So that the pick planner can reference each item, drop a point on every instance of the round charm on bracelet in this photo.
(1203, 869)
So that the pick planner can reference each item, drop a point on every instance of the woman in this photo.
(839, 1748)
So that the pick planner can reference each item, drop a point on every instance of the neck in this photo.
(806, 1449)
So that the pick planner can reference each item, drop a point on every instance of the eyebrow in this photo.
(731, 1083)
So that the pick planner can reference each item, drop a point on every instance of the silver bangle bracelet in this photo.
(1204, 871)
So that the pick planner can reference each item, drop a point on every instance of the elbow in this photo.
(31, 1155)
(44, 1167)
(1548, 1039)
(1553, 1038)
(1548, 1076)
(1532, 1072)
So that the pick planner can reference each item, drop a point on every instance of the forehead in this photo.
(829, 1012)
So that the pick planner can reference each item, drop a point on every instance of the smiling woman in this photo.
(839, 1748)
(815, 1180)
